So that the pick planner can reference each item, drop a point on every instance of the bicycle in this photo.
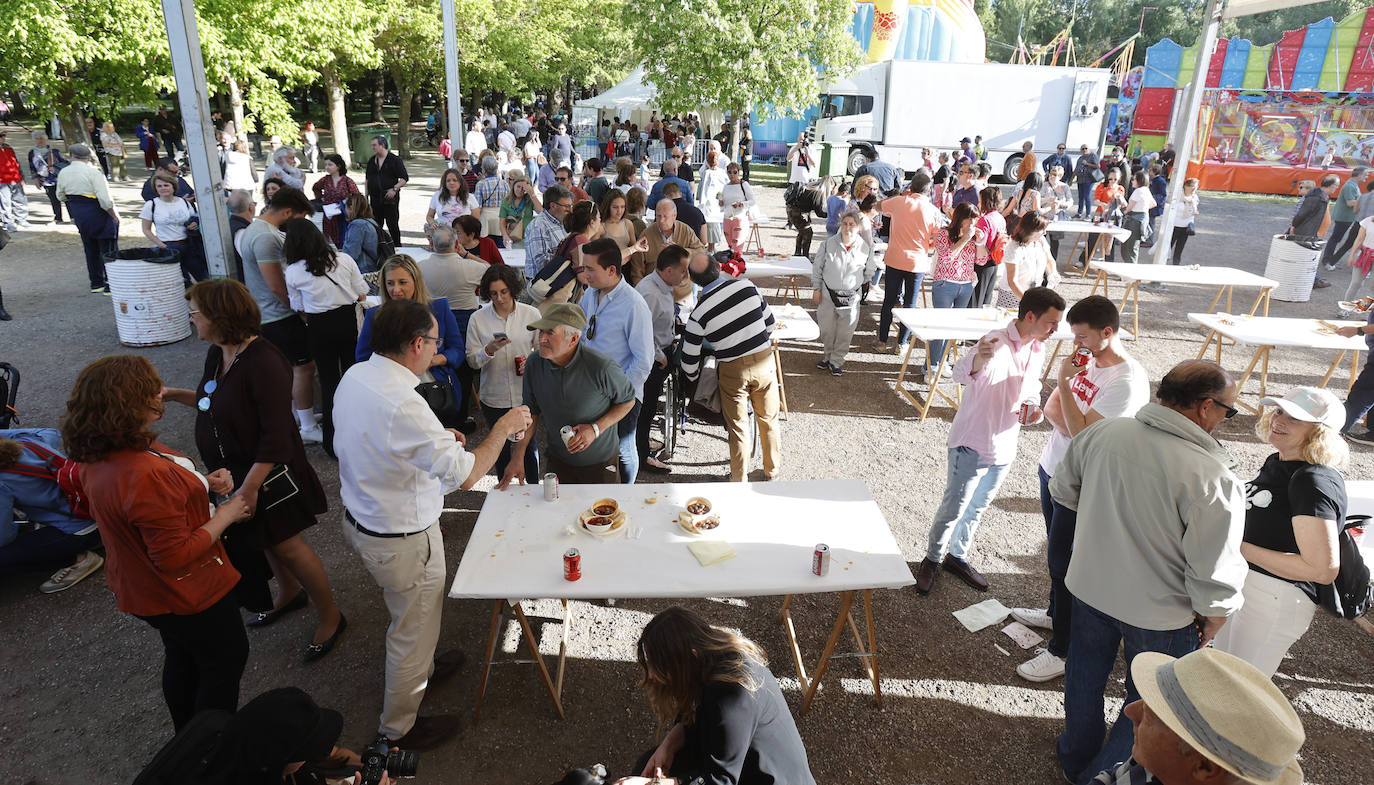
(676, 396)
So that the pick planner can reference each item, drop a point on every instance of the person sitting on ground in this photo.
(33, 473)
(574, 386)
(726, 716)
(1208, 718)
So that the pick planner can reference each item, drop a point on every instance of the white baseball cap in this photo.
(1310, 404)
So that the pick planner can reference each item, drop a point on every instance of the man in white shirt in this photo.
(1111, 384)
(657, 290)
(396, 462)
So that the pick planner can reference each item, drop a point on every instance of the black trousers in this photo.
(1180, 239)
(204, 657)
(653, 390)
(51, 191)
(985, 287)
(333, 340)
(802, 222)
(389, 214)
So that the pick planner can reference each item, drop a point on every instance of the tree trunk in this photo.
(338, 118)
(417, 109)
(735, 127)
(403, 124)
(378, 96)
(236, 105)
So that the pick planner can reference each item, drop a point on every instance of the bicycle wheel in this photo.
(419, 139)
(671, 419)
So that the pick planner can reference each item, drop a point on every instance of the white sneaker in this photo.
(312, 435)
(1330, 267)
(24, 225)
(1033, 617)
(1042, 667)
(68, 577)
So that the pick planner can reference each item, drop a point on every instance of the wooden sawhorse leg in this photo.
(554, 688)
(1261, 353)
(1132, 295)
(867, 646)
(782, 386)
(788, 290)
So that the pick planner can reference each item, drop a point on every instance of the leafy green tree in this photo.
(763, 54)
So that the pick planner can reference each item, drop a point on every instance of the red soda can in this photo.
(1027, 412)
(820, 560)
(1081, 356)
(572, 565)
(519, 366)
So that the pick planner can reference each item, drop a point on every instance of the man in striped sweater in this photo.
(735, 320)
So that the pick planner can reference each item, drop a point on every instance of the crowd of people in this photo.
(1206, 580)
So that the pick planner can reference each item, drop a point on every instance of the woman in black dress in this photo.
(727, 719)
(245, 424)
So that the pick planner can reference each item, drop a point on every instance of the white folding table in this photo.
(517, 546)
(788, 268)
(1267, 333)
(1082, 230)
(1226, 279)
(793, 323)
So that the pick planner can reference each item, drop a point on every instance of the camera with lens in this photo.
(394, 763)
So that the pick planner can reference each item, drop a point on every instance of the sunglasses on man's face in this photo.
(1231, 411)
(561, 179)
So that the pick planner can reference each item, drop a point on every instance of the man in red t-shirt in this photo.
(14, 205)
(910, 243)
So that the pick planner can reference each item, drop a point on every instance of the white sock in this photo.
(307, 418)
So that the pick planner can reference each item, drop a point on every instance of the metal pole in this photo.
(194, 102)
(456, 131)
(1185, 131)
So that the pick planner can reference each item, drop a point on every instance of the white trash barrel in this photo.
(1294, 267)
(150, 305)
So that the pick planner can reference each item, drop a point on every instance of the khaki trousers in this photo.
(410, 571)
(752, 379)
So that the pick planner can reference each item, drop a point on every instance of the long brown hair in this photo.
(109, 403)
(963, 211)
(685, 654)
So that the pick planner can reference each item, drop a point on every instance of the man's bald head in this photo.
(703, 268)
(1200, 390)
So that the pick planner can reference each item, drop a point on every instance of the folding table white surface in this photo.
(1267, 333)
(1226, 279)
(1082, 232)
(517, 546)
(788, 268)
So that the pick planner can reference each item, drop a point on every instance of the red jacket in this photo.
(157, 558)
(9, 166)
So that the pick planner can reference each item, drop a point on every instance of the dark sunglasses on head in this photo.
(591, 328)
(561, 179)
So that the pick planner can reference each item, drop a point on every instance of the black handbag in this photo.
(443, 401)
(279, 486)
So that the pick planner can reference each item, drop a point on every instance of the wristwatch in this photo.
(596, 429)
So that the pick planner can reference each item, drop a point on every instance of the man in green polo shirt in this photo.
(568, 384)
(1343, 217)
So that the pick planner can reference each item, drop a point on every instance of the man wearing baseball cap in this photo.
(1208, 718)
(574, 386)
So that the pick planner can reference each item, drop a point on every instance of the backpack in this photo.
(556, 273)
(385, 248)
(998, 248)
(183, 759)
(1350, 595)
(60, 470)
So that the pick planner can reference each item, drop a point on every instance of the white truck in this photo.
(895, 108)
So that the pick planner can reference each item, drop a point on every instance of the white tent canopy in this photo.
(635, 100)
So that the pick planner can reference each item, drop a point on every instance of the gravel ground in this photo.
(83, 685)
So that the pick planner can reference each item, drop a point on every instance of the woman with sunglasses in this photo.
(401, 280)
(166, 564)
(244, 424)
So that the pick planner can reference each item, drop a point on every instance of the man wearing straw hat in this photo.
(1208, 718)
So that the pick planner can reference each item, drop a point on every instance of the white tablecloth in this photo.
(1088, 227)
(515, 257)
(959, 324)
(1275, 331)
(794, 324)
(516, 549)
(772, 266)
(1170, 273)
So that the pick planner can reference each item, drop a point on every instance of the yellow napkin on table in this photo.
(709, 552)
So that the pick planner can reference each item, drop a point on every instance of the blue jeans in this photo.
(1361, 397)
(1092, 653)
(946, 294)
(970, 486)
(629, 450)
(1060, 523)
(1085, 195)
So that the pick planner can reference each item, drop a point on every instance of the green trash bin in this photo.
(360, 141)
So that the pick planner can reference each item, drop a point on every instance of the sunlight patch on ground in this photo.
(1347, 709)
(1003, 699)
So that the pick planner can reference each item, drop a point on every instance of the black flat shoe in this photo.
(317, 650)
(269, 617)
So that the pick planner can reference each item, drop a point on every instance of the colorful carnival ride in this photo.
(1274, 115)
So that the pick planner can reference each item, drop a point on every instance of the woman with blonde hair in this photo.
(113, 146)
(400, 279)
(726, 717)
(1295, 509)
(709, 198)
(361, 232)
(518, 208)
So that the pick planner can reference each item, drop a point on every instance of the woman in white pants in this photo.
(839, 275)
(1293, 512)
